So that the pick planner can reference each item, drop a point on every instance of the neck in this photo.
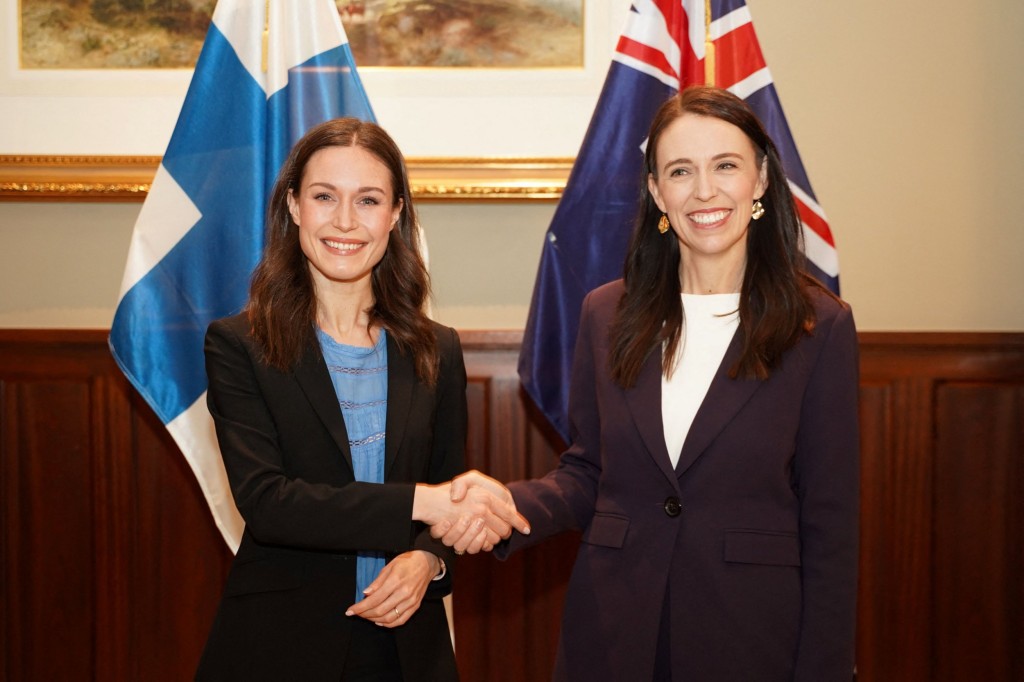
(697, 277)
(343, 312)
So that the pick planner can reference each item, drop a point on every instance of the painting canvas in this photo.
(168, 34)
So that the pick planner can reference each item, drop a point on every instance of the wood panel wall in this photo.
(110, 566)
(942, 507)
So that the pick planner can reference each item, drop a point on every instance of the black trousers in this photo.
(372, 654)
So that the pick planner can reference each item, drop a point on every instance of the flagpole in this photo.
(709, 47)
(266, 36)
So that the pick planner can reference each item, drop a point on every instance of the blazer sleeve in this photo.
(564, 499)
(827, 475)
(448, 457)
(277, 509)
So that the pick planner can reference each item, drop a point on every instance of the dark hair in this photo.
(282, 306)
(775, 304)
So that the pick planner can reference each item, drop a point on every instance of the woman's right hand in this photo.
(472, 513)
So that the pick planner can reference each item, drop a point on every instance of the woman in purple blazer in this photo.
(713, 469)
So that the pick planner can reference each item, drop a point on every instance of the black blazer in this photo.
(285, 448)
(747, 547)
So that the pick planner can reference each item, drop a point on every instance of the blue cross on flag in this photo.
(268, 71)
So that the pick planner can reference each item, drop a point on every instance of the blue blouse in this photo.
(360, 378)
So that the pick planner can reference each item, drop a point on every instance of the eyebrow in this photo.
(716, 157)
(367, 188)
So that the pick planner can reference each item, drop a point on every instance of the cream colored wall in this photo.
(907, 116)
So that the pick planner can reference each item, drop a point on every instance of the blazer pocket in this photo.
(607, 530)
(259, 576)
(773, 548)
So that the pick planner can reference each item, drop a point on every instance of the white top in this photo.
(709, 323)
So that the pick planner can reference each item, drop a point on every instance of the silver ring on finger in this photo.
(397, 612)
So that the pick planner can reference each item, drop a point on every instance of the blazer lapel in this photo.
(401, 380)
(315, 381)
(644, 401)
(724, 399)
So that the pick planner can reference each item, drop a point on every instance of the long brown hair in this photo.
(282, 306)
(775, 303)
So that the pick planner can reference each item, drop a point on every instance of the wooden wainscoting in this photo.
(942, 507)
(111, 566)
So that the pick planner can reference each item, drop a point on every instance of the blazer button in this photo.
(672, 507)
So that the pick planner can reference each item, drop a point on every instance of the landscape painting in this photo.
(168, 34)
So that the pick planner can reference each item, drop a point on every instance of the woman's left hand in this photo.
(395, 595)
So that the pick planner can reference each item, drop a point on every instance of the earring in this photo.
(663, 224)
(757, 210)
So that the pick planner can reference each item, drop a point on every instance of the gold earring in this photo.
(757, 210)
(663, 224)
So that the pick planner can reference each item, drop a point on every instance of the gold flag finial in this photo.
(709, 47)
(266, 36)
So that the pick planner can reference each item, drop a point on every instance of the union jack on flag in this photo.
(667, 45)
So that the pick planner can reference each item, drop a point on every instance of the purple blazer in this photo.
(750, 542)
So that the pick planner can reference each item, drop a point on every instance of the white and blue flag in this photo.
(268, 71)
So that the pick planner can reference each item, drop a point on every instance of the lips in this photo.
(343, 246)
(708, 217)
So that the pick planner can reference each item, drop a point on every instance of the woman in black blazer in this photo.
(340, 410)
(713, 469)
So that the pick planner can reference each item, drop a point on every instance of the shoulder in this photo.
(235, 327)
(449, 349)
(229, 347)
(451, 364)
(603, 301)
(834, 333)
(829, 309)
(607, 294)
(446, 337)
(230, 339)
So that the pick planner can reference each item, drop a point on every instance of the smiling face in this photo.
(708, 177)
(345, 211)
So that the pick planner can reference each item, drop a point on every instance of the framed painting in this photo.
(491, 110)
(168, 34)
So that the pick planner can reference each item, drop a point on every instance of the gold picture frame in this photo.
(128, 178)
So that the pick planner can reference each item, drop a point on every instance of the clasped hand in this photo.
(472, 513)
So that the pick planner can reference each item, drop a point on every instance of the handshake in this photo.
(472, 512)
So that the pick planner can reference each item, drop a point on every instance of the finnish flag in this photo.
(268, 71)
